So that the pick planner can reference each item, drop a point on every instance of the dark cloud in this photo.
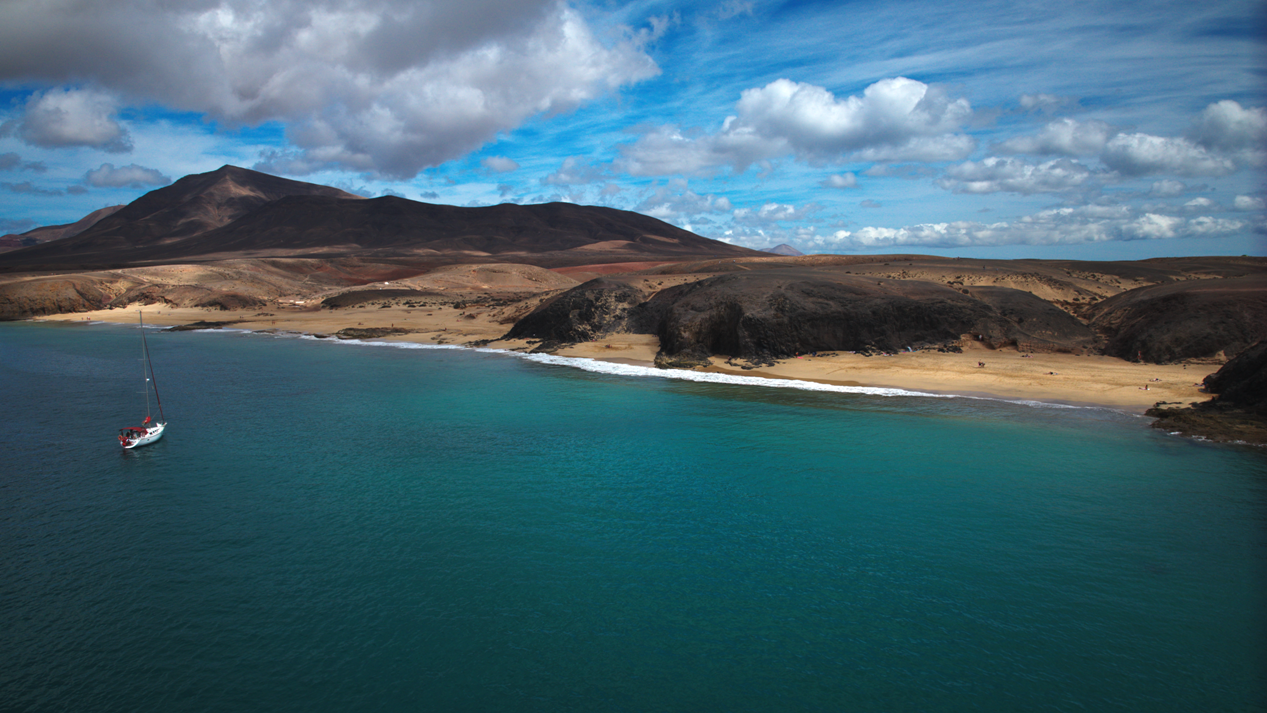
(13, 162)
(9, 225)
(382, 86)
(28, 188)
(130, 176)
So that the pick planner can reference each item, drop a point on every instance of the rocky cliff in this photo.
(1237, 413)
(777, 313)
(1180, 320)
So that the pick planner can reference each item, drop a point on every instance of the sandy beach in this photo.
(1053, 378)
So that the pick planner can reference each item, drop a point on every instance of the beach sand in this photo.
(1053, 378)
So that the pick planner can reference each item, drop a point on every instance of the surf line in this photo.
(598, 366)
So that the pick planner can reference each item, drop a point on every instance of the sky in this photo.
(1071, 130)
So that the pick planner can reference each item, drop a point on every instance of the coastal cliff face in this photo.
(763, 316)
(1237, 413)
(771, 314)
(1242, 382)
(583, 313)
(1184, 320)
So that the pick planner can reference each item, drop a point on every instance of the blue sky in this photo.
(1088, 130)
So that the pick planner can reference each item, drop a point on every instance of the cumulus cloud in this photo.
(994, 175)
(770, 214)
(1228, 127)
(1063, 137)
(896, 119)
(1222, 139)
(130, 176)
(499, 164)
(1058, 226)
(676, 202)
(1248, 203)
(1141, 154)
(72, 117)
(375, 85)
(840, 180)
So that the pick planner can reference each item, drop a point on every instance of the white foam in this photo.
(629, 370)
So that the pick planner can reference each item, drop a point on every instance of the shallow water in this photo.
(332, 526)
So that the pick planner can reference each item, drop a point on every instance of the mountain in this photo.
(396, 227)
(187, 208)
(55, 232)
(234, 212)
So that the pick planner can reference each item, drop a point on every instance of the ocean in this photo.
(348, 527)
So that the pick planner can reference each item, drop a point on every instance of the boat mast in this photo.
(150, 377)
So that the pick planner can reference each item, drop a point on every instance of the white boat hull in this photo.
(142, 436)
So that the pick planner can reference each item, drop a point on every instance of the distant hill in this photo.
(783, 249)
(235, 212)
(55, 232)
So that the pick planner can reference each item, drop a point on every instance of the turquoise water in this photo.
(335, 527)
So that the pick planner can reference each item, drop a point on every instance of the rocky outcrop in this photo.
(1184, 320)
(776, 313)
(583, 313)
(52, 295)
(1238, 412)
(1242, 382)
(369, 332)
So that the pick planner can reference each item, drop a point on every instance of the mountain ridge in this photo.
(232, 212)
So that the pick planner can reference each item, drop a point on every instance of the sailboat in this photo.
(149, 430)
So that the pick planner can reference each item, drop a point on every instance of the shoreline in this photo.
(1055, 379)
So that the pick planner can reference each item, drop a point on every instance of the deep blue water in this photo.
(333, 527)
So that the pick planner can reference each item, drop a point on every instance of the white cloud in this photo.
(733, 8)
(1167, 188)
(1141, 154)
(1248, 203)
(132, 175)
(840, 180)
(1064, 137)
(499, 164)
(895, 119)
(575, 171)
(1059, 226)
(676, 202)
(373, 85)
(1228, 127)
(993, 175)
(769, 214)
(1045, 103)
(73, 117)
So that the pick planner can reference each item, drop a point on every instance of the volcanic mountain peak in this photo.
(236, 212)
(189, 207)
(204, 201)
